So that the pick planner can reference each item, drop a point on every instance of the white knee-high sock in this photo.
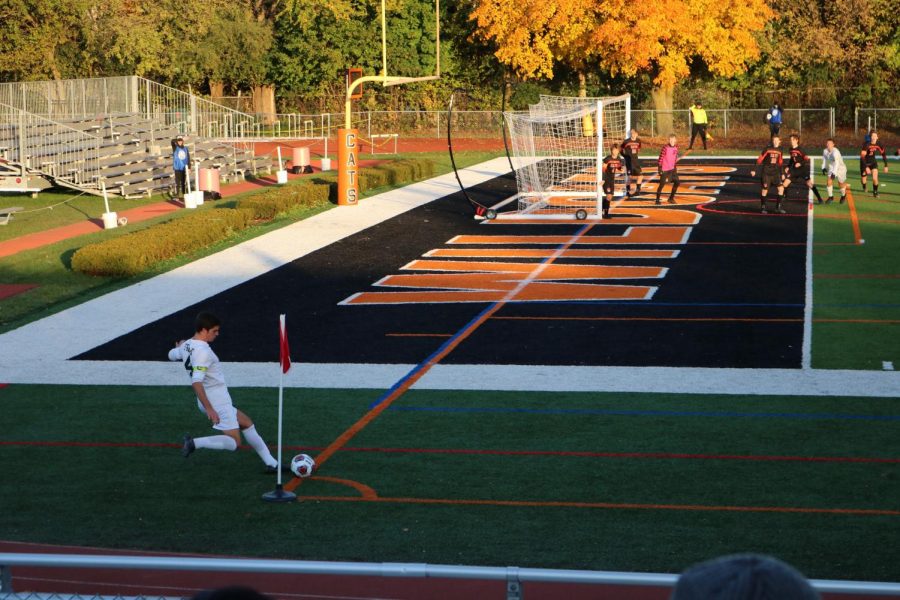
(257, 443)
(216, 442)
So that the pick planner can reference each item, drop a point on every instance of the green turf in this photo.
(150, 498)
(871, 293)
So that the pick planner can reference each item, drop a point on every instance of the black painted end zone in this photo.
(734, 297)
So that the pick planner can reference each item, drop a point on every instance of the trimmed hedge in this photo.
(283, 199)
(134, 253)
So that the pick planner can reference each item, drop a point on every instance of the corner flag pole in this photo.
(280, 494)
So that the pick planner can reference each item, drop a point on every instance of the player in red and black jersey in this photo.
(868, 162)
(797, 168)
(631, 147)
(772, 161)
(613, 163)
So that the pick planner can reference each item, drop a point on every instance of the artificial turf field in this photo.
(599, 480)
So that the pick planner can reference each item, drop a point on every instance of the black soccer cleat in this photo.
(875, 194)
(270, 470)
(188, 447)
(658, 201)
(830, 200)
(842, 199)
(764, 210)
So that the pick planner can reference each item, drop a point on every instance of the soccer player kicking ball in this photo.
(213, 398)
(868, 162)
(772, 161)
(668, 169)
(797, 169)
(833, 166)
(631, 147)
(612, 164)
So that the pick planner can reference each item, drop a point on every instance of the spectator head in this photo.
(180, 139)
(698, 103)
(743, 577)
(231, 593)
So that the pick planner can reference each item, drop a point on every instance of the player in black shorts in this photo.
(613, 163)
(772, 161)
(797, 169)
(868, 162)
(631, 147)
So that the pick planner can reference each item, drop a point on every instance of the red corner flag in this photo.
(285, 349)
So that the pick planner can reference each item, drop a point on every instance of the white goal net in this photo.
(557, 149)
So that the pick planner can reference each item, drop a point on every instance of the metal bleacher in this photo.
(116, 133)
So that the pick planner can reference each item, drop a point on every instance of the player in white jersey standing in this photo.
(213, 398)
(833, 166)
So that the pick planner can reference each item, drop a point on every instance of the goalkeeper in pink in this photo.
(668, 171)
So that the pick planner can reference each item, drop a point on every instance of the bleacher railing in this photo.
(64, 153)
(107, 97)
(515, 577)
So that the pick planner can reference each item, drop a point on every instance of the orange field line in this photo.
(854, 218)
(434, 359)
(613, 505)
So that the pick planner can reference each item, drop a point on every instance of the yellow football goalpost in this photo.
(348, 137)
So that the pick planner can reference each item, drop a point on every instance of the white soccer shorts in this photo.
(221, 402)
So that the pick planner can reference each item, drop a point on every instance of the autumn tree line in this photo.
(738, 53)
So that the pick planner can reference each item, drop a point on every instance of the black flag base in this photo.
(279, 495)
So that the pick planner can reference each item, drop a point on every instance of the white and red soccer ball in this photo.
(303, 465)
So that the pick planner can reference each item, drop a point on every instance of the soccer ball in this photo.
(303, 465)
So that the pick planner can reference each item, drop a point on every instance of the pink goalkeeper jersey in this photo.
(668, 157)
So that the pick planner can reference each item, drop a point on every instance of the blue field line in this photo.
(647, 413)
(412, 372)
(422, 364)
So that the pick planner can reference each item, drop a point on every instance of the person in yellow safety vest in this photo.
(699, 121)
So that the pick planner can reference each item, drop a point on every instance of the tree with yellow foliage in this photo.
(661, 38)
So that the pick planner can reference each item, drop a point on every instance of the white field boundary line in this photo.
(522, 378)
(88, 325)
(806, 352)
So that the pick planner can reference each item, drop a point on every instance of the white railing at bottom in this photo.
(514, 577)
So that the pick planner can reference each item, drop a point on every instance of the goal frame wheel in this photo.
(580, 214)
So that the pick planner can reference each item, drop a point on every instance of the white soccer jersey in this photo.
(834, 162)
(201, 362)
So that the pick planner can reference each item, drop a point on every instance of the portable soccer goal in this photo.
(557, 149)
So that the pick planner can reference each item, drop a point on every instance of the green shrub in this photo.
(280, 200)
(134, 253)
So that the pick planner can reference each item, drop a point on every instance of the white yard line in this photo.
(806, 352)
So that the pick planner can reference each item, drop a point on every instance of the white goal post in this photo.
(557, 148)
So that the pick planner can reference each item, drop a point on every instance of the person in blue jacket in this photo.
(774, 117)
(181, 162)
